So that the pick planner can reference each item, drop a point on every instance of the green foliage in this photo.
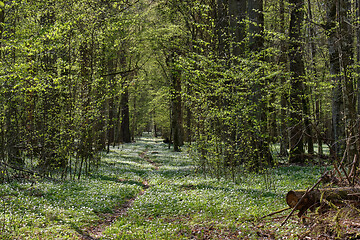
(180, 204)
(176, 205)
(58, 104)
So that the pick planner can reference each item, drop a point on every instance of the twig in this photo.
(303, 196)
(338, 171)
(276, 212)
(341, 165)
(352, 171)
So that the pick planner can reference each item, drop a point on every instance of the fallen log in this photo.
(313, 198)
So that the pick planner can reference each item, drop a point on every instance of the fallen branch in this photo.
(276, 212)
(303, 196)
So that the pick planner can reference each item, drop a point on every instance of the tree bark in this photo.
(256, 25)
(256, 45)
(340, 41)
(283, 59)
(125, 134)
(177, 116)
(2, 22)
(357, 7)
(221, 26)
(111, 106)
(337, 99)
(297, 73)
(346, 61)
(237, 14)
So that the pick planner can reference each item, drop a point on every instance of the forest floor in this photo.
(144, 190)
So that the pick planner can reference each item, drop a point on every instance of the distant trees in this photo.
(235, 78)
(60, 88)
(259, 78)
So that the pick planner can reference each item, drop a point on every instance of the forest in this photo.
(168, 119)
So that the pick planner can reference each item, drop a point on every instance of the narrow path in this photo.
(144, 156)
(95, 232)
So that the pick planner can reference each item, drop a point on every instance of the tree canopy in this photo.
(246, 84)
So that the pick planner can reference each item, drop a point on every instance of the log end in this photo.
(293, 197)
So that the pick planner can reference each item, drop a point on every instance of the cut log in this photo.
(312, 198)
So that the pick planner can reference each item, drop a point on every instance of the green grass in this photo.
(179, 203)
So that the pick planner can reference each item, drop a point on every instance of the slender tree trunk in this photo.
(134, 115)
(346, 61)
(340, 40)
(177, 117)
(297, 73)
(12, 131)
(308, 89)
(256, 45)
(357, 7)
(284, 141)
(256, 25)
(313, 72)
(337, 99)
(125, 117)
(237, 14)
(221, 26)
(2, 22)
(111, 106)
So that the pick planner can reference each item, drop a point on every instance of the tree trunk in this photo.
(2, 22)
(12, 132)
(346, 61)
(177, 111)
(297, 72)
(340, 40)
(111, 106)
(237, 14)
(256, 25)
(337, 99)
(221, 26)
(284, 140)
(357, 7)
(256, 44)
(125, 134)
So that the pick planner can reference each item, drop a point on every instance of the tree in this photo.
(340, 37)
(256, 46)
(297, 73)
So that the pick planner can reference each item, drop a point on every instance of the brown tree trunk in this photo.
(256, 44)
(177, 118)
(111, 106)
(340, 38)
(337, 99)
(346, 61)
(357, 7)
(237, 15)
(297, 72)
(125, 134)
(2, 22)
(284, 141)
(221, 27)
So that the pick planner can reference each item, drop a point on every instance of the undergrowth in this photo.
(178, 203)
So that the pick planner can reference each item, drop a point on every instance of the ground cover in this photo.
(145, 191)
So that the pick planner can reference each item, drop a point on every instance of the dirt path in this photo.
(95, 232)
(144, 156)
